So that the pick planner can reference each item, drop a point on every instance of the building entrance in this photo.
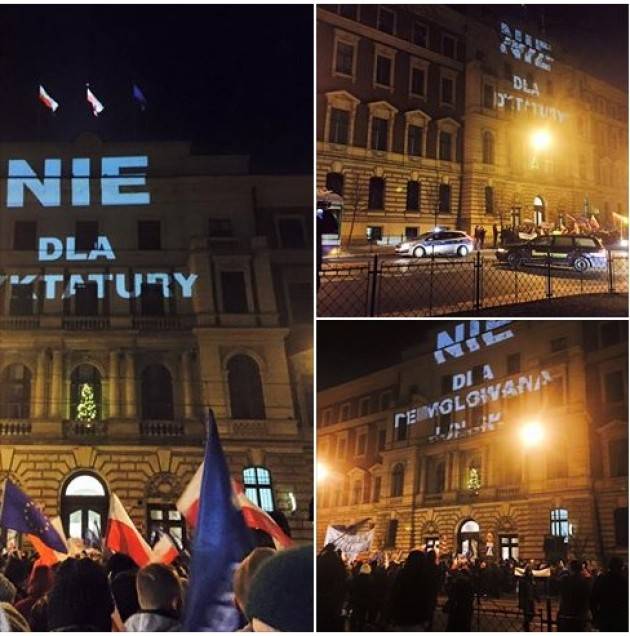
(468, 539)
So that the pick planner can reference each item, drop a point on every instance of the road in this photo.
(413, 287)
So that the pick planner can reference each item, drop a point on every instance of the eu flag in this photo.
(139, 97)
(19, 512)
(221, 542)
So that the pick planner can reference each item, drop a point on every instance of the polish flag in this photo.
(164, 551)
(48, 556)
(96, 105)
(47, 100)
(255, 517)
(122, 535)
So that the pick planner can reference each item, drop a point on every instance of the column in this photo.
(455, 474)
(40, 384)
(423, 476)
(56, 384)
(187, 394)
(486, 479)
(130, 385)
(114, 370)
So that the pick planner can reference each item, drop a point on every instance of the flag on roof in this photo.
(123, 536)
(20, 513)
(139, 97)
(97, 106)
(47, 100)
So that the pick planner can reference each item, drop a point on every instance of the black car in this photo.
(580, 252)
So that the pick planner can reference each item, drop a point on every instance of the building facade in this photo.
(167, 283)
(507, 439)
(429, 116)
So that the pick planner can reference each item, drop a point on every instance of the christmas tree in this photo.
(474, 483)
(86, 410)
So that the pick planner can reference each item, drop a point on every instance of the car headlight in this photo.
(405, 246)
(503, 251)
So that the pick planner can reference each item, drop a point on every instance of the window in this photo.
(488, 148)
(418, 79)
(414, 140)
(326, 417)
(234, 293)
(621, 527)
(411, 233)
(84, 506)
(357, 488)
(341, 448)
(488, 96)
(257, 484)
(339, 126)
(386, 20)
(447, 91)
(21, 303)
(291, 233)
(149, 235)
(156, 386)
(386, 400)
(86, 234)
(509, 546)
(614, 387)
(559, 344)
(379, 133)
(382, 438)
(445, 146)
(431, 543)
(514, 363)
(344, 62)
(383, 71)
(489, 199)
(420, 34)
(445, 197)
(398, 480)
(301, 302)
(165, 519)
(15, 392)
(86, 300)
(413, 196)
(345, 412)
(362, 444)
(376, 494)
(220, 228)
(374, 232)
(82, 376)
(151, 300)
(618, 457)
(334, 183)
(349, 11)
(390, 535)
(376, 194)
(25, 235)
(400, 428)
(364, 406)
(245, 388)
(560, 523)
(449, 46)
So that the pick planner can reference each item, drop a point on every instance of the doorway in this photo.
(468, 539)
(84, 508)
(539, 210)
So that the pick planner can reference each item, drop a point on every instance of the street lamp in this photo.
(541, 140)
(323, 472)
(531, 434)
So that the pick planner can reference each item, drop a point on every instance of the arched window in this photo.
(157, 393)
(15, 392)
(85, 393)
(398, 480)
(84, 508)
(488, 147)
(258, 489)
(334, 182)
(376, 195)
(560, 523)
(246, 392)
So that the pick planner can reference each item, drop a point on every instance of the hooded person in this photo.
(281, 594)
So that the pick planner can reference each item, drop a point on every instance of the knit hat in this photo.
(7, 590)
(11, 620)
(281, 594)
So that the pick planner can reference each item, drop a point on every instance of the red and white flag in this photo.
(97, 106)
(255, 517)
(164, 551)
(47, 100)
(122, 535)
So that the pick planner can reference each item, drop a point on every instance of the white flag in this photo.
(96, 105)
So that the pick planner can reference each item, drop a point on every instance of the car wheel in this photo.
(462, 251)
(514, 260)
(580, 264)
(419, 252)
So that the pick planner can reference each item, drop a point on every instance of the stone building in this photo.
(199, 294)
(503, 439)
(426, 117)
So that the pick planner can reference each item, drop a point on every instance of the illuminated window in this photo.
(157, 393)
(398, 480)
(374, 232)
(25, 235)
(82, 375)
(431, 543)
(258, 487)
(509, 546)
(245, 388)
(376, 194)
(149, 235)
(339, 126)
(559, 520)
(84, 505)
(15, 392)
(165, 519)
(413, 196)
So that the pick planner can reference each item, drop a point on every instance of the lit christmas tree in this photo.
(86, 410)
(474, 483)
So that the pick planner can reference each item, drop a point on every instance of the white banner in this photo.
(350, 544)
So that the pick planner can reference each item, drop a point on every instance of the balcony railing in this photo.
(509, 492)
(161, 428)
(85, 323)
(78, 429)
(11, 427)
(19, 322)
(163, 323)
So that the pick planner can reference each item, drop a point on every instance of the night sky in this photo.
(232, 79)
(348, 349)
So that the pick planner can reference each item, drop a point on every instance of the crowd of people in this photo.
(388, 595)
(94, 591)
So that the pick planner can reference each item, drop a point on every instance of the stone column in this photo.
(187, 393)
(130, 385)
(114, 370)
(40, 385)
(455, 470)
(423, 476)
(56, 384)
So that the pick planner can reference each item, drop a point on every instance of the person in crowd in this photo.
(495, 235)
(11, 620)
(574, 600)
(482, 237)
(281, 593)
(8, 591)
(409, 602)
(160, 599)
(331, 589)
(80, 599)
(244, 575)
(379, 594)
(125, 593)
(609, 599)
(360, 597)
(39, 584)
(460, 602)
(526, 597)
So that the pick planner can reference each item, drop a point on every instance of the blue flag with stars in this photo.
(19, 512)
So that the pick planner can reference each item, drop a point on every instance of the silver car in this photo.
(442, 243)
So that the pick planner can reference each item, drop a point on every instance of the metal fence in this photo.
(381, 287)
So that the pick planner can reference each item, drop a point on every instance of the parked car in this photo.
(441, 243)
(579, 251)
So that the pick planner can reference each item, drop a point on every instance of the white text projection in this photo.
(525, 47)
(123, 182)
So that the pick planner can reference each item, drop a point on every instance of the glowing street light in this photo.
(532, 434)
(541, 140)
(323, 472)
